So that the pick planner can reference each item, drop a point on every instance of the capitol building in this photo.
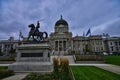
(63, 42)
(60, 39)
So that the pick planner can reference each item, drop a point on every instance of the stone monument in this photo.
(34, 54)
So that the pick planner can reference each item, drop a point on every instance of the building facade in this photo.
(93, 44)
(112, 45)
(60, 38)
(7, 45)
(62, 42)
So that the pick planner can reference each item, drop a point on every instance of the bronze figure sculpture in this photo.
(36, 34)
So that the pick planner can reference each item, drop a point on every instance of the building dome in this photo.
(61, 21)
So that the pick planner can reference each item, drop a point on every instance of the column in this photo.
(56, 45)
(62, 46)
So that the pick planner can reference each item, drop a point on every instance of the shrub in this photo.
(64, 64)
(8, 59)
(89, 57)
(61, 72)
(3, 67)
(38, 76)
(5, 73)
(56, 67)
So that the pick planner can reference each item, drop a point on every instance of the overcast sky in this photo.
(101, 16)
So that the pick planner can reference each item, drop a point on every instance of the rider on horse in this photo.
(34, 32)
(36, 29)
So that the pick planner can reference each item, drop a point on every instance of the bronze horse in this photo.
(34, 32)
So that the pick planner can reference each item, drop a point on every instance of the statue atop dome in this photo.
(61, 17)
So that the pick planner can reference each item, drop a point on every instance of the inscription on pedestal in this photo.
(31, 54)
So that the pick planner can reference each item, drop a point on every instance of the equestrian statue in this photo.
(35, 34)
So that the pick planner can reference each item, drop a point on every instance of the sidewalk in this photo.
(110, 67)
(89, 65)
(4, 64)
(16, 77)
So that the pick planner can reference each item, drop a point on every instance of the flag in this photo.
(88, 32)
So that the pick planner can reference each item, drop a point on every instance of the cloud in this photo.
(80, 14)
(111, 27)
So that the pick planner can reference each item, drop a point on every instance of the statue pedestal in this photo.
(32, 58)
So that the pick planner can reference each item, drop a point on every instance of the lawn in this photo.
(113, 60)
(93, 73)
(4, 72)
(3, 67)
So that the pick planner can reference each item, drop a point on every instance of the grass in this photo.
(50, 76)
(4, 72)
(38, 76)
(113, 60)
(93, 73)
(3, 67)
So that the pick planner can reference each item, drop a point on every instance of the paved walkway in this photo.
(109, 67)
(4, 64)
(89, 64)
(17, 77)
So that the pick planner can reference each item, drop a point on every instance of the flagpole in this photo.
(19, 36)
(83, 42)
(90, 32)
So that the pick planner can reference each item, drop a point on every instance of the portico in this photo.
(60, 38)
(60, 45)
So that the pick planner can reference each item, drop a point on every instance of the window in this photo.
(117, 49)
(96, 42)
(96, 48)
(115, 43)
(111, 48)
(93, 42)
(64, 45)
(101, 42)
(110, 43)
(56, 45)
(101, 48)
(60, 45)
(11, 45)
(5, 45)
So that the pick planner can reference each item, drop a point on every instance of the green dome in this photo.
(61, 21)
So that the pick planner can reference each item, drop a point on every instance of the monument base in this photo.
(33, 58)
(31, 67)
